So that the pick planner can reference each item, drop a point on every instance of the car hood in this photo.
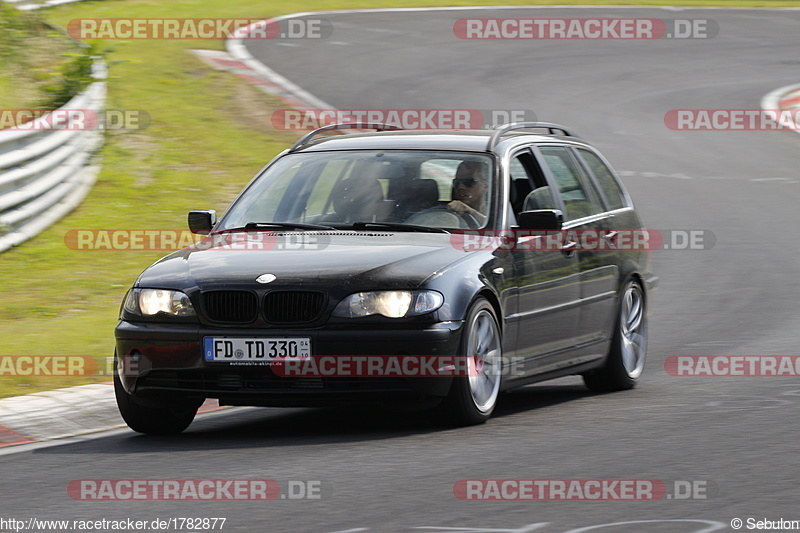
(355, 260)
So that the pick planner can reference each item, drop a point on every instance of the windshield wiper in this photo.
(397, 226)
(278, 225)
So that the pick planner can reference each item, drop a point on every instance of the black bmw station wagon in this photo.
(429, 268)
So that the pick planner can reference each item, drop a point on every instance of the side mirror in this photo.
(541, 219)
(202, 220)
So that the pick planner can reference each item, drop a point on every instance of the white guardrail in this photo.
(44, 174)
(29, 5)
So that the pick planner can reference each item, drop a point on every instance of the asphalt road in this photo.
(395, 472)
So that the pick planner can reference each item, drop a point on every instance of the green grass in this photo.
(209, 134)
(31, 55)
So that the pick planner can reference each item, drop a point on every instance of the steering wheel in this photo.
(429, 217)
(469, 220)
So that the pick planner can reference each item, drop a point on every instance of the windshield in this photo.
(435, 189)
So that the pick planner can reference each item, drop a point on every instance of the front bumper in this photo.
(164, 363)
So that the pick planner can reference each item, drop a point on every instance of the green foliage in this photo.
(70, 79)
(39, 66)
(15, 28)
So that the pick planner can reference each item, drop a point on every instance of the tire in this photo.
(472, 398)
(152, 420)
(628, 350)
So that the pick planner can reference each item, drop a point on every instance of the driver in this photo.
(470, 188)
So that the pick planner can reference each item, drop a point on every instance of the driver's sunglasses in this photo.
(467, 182)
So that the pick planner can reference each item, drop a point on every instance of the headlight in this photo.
(391, 304)
(150, 302)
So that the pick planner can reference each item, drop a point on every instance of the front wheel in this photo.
(626, 357)
(473, 397)
(167, 420)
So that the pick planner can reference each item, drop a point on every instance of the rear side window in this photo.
(605, 179)
(568, 177)
(527, 179)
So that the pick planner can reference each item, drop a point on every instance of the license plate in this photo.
(250, 349)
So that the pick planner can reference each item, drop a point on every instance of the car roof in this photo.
(459, 140)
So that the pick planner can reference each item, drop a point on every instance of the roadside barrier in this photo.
(46, 173)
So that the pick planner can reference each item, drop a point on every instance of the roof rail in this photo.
(502, 129)
(305, 139)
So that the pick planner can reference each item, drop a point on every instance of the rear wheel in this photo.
(166, 420)
(472, 398)
(628, 347)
